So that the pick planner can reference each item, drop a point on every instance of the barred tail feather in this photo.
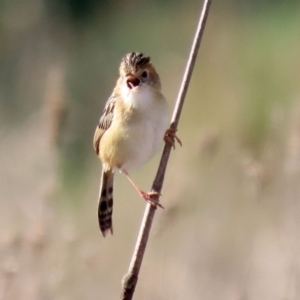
(105, 205)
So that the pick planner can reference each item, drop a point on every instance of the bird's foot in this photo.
(171, 137)
(151, 197)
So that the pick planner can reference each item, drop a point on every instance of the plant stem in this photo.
(130, 279)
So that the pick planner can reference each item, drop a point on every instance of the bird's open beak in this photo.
(132, 81)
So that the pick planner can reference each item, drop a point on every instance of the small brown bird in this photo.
(131, 129)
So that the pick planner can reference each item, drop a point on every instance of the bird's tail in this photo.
(105, 205)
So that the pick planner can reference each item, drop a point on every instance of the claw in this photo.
(148, 197)
(171, 137)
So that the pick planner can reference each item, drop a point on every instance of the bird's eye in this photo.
(145, 74)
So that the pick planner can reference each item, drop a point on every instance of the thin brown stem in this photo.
(130, 279)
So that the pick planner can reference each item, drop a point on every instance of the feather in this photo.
(105, 121)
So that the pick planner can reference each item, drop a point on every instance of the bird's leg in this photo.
(146, 196)
(170, 137)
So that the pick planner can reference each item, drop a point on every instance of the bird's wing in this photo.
(105, 121)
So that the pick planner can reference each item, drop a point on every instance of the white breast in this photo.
(145, 136)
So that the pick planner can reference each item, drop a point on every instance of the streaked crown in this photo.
(136, 68)
(134, 61)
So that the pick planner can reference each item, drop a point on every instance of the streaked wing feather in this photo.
(105, 121)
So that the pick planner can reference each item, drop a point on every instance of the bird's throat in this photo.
(139, 97)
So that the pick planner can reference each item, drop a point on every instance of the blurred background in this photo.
(230, 228)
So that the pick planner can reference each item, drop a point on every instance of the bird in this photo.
(131, 130)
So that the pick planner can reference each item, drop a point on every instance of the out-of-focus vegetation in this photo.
(230, 229)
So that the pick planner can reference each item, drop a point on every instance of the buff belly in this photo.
(133, 145)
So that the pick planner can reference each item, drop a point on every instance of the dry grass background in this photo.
(230, 229)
